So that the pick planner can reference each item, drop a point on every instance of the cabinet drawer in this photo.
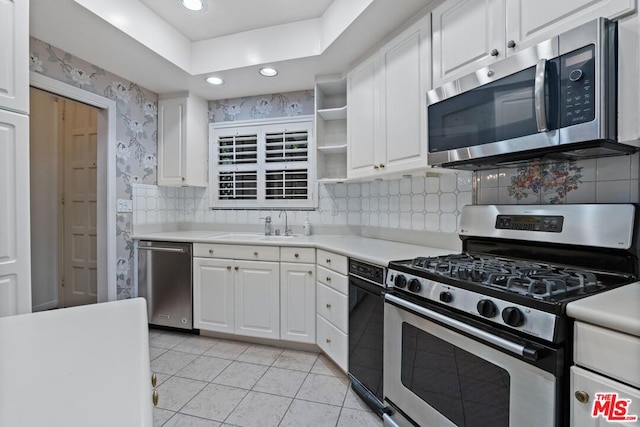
(612, 353)
(251, 253)
(335, 262)
(334, 280)
(333, 306)
(333, 342)
(298, 255)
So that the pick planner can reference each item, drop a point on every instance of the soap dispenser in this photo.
(306, 227)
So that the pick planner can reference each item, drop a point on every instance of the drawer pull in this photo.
(328, 260)
(228, 267)
(328, 341)
(310, 272)
(211, 251)
(328, 305)
(236, 268)
(155, 397)
(328, 279)
(255, 254)
(296, 255)
(154, 379)
(582, 396)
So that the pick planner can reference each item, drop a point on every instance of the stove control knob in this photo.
(486, 308)
(512, 316)
(414, 285)
(400, 281)
(446, 296)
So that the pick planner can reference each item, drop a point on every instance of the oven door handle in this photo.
(519, 349)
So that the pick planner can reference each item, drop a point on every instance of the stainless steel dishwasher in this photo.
(164, 280)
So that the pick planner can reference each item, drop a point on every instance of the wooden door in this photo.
(257, 294)
(80, 265)
(213, 294)
(15, 257)
(297, 302)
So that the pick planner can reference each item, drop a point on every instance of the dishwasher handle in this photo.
(161, 249)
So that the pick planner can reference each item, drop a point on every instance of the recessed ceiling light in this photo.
(268, 72)
(195, 5)
(215, 80)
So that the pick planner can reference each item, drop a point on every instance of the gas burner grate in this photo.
(536, 280)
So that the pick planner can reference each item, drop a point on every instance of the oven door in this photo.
(440, 371)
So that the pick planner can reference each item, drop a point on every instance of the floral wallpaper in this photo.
(136, 132)
(262, 107)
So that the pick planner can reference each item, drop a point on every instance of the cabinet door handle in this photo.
(296, 255)
(154, 379)
(381, 165)
(511, 44)
(236, 268)
(211, 251)
(228, 267)
(155, 397)
(582, 396)
(494, 52)
(310, 272)
(183, 179)
(328, 260)
(328, 279)
(328, 305)
(375, 167)
(328, 341)
(255, 254)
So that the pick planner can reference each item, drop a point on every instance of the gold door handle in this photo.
(236, 268)
(228, 267)
(381, 165)
(255, 254)
(155, 397)
(296, 255)
(154, 379)
(211, 251)
(582, 396)
(328, 260)
(328, 305)
(328, 279)
(310, 272)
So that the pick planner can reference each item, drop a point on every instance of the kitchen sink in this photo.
(277, 238)
(238, 236)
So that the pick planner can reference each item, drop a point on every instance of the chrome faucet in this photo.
(287, 230)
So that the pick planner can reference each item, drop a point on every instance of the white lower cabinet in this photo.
(235, 296)
(298, 302)
(332, 290)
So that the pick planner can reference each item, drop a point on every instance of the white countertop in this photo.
(375, 251)
(77, 367)
(617, 309)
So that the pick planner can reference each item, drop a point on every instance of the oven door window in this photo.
(464, 388)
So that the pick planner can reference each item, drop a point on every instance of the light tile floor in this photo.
(210, 382)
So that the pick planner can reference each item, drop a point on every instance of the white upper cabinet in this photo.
(387, 106)
(14, 55)
(182, 141)
(470, 34)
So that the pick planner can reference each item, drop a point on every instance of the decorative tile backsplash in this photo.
(418, 203)
(603, 180)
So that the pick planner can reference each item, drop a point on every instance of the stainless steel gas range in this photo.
(481, 338)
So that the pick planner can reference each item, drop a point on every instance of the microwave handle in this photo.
(539, 96)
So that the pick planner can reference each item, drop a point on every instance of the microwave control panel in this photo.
(577, 85)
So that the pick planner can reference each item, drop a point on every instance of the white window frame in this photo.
(262, 126)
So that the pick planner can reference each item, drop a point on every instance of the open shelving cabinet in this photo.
(331, 129)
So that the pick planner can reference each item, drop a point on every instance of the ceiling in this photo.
(160, 46)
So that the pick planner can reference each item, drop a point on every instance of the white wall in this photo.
(44, 203)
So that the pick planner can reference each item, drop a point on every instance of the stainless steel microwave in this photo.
(553, 100)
